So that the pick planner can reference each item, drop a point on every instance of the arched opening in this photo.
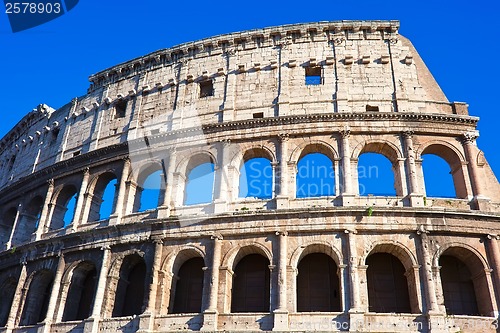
(251, 288)
(37, 298)
(200, 177)
(103, 197)
(7, 223)
(315, 176)
(458, 288)
(64, 208)
(7, 292)
(376, 175)
(443, 173)
(130, 290)
(28, 221)
(387, 284)
(256, 178)
(81, 292)
(437, 177)
(318, 285)
(189, 287)
(149, 190)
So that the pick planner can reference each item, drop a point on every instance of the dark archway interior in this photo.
(318, 285)
(189, 288)
(387, 284)
(251, 285)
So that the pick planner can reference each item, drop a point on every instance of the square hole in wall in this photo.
(258, 115)
(313, 76)
(206, 88)
(120, 108)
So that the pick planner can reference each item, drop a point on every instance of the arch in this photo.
(464, 278)
(150, 187)
(7, 223)
(316, 247)
(102, 194)
(130, 289)
(7, 292)
(174, 260)
(81, 292)
(188, 290)
(313, 146)
(251, 284)
(395, 248)
(64, 206)
(455, 160)
(199, 173)
(318, 284)
(233, 256)
(383, 147)
(387, 284)
(28, 220)
(37, 299)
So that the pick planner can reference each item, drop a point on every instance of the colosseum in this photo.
(211, 254)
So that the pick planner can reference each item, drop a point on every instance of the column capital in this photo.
(225, 142)
(422, 231)
(408, 134)
(493, 236)
(157, 240)
(350, 231)
(50, 182)
(105, 247)
(216, 237)
(283, 137)
(469, 137)
(345, 133)
(281, 233)
(86, 171)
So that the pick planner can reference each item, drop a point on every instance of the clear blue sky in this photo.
(458, 40)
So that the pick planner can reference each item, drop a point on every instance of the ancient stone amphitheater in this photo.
(341, 261)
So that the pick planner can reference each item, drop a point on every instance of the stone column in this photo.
(147, 319)
(210, 313)
(353, 270)
(55, 309)
(429, 285)
(493, 251)
(115, 218)
(346, 190)
(92, 323)
(14, 226)
(44, 223)
(468, 142)
(221, 177)
(17, 306)
(78, 217)
(416, 198)
(281, 312)
(282, 196)
(167, 205)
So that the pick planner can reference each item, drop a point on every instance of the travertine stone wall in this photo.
(149, 114)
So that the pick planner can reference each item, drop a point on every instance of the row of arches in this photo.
(318, 172)
(319, 285)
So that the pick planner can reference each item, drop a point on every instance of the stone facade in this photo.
(225, 100)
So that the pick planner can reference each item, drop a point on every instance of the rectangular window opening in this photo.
(258, 115)
(371, 108)
(120, 108)
(76, 153)
(206, 88)
(313, 76)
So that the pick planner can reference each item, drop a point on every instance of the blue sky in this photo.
(51, 63)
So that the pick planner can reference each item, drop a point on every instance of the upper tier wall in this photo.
(364, 66)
